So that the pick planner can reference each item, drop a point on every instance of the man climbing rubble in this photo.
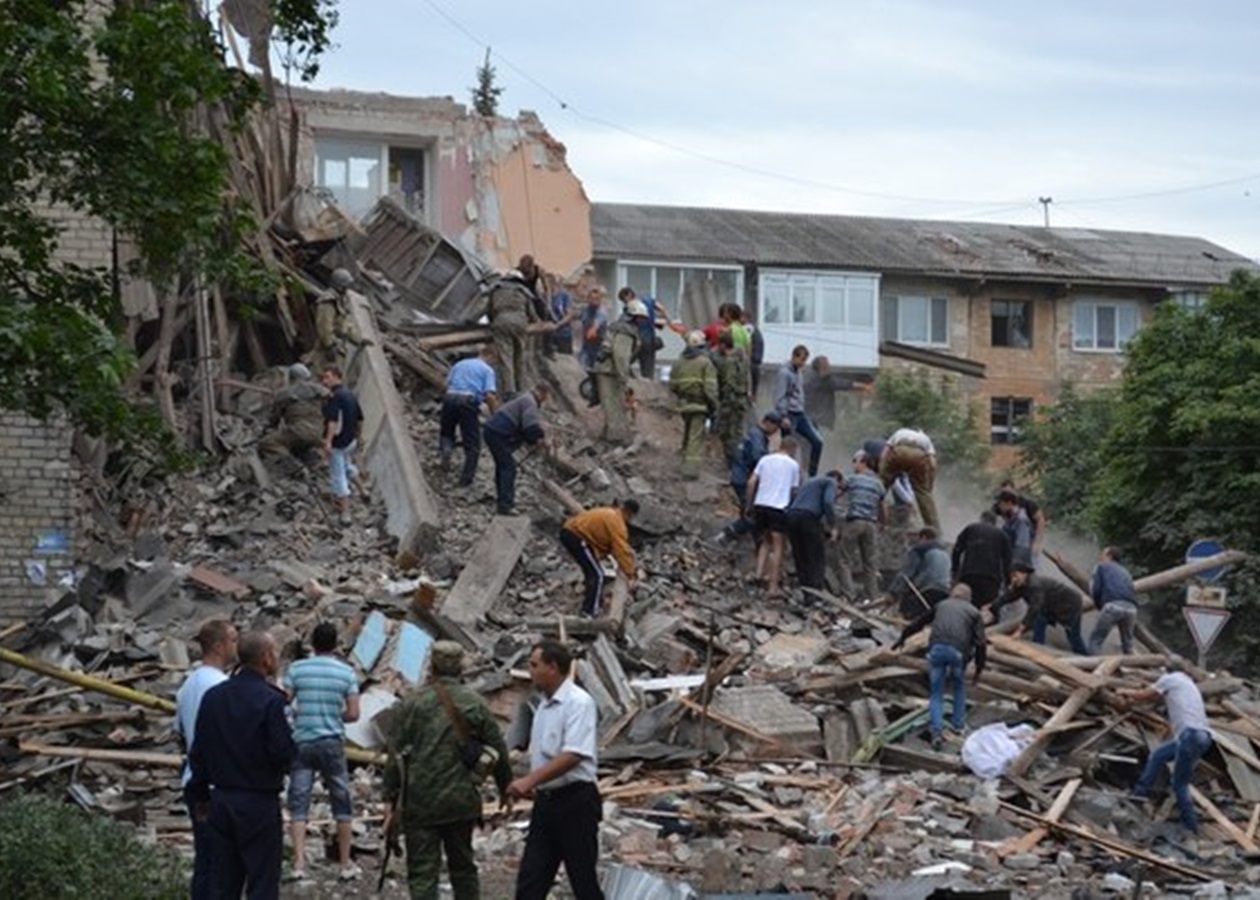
(734, 394)
(789, 402)
(595, 534)
(956, 638)
(469, 384)
(511, 308)
(1116, 599)
(1049, 602)
(693, 380)
(334, 326)
(297, 418)
(514, 424)
(343, 421)
(618, 351)
(910, 452)
(860, 532)
(924, 579)
(981, 559)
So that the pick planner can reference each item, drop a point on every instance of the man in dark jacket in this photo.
(439, 804)
(1049, 602)
(982, 559)
(243, 749)
(810, 517)
(1116, 600)
(924, 580)
(516, 422)
(957, 636)
(755, 445)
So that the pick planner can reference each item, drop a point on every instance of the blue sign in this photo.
(1202, 549)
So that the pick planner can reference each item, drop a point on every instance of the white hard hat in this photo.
(342, 279)
(636, 308)
(696, 338)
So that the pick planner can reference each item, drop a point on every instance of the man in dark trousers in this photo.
(1049, 602)
(470, 383)
(563, 755)
(243, 749)
(982, 559)
(811, 516)
(789, 401)
(440, 804)
(515, 423)
(956, 638)
(924, 580)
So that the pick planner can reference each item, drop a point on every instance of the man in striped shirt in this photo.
(325, 692)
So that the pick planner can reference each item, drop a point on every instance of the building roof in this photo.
(907, 246)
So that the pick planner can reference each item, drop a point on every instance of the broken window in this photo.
(406, 179)
(692, 294)
(916, 320)
(1103, 326)
(1011, 323)
(1006, 415)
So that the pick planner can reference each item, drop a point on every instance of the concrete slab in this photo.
(389, 454)
(371, 641)
(483, 578)
(411, 658)
(365, 732)
(768, 710)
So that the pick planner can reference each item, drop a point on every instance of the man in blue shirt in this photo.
(1018, 528)
(593, 321)
(860, 531)
(755, 445)
(470, 383)
(325, 693)
(217, 638)
(517, 422)
(789, 401)
(242, 752)
(563, 312)
(1116, 598)
(812, 514)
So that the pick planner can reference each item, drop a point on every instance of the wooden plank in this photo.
(1046, 660)
(614, 675)
(488, 570)
(1254, 822)
(1237, 834)
(136, 757)
(218, 582)
(1026, 843)
(1062, 717)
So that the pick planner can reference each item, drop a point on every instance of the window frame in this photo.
(1007, 431)
(822, 283)
(897, 300)
(1117, 306)
(677, 270)
(1027, 315)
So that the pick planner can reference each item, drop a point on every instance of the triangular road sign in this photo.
(1205, 624)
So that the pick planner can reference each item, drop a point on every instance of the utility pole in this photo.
(1045, 208)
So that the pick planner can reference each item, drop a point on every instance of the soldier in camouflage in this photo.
(511, 310)
(440, 804)
(693, 382)
(297, 417)
(619, 349)
(734, 391)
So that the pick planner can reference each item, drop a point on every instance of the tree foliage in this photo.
(1061, 449)
(485, 96)
(99, 115)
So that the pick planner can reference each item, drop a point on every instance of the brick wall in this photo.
(38, 512)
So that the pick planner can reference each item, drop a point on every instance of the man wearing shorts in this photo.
(770, 491)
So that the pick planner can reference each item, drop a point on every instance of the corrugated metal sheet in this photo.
(909, 246)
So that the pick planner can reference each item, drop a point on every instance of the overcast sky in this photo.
(1140, 116)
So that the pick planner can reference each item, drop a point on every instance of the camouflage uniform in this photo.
(693, 381)
(442, 802)
(511, 310)
(732, 406)
(334, 326)
(612, 376)
(299, 411)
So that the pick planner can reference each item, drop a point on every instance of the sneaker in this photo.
(297, 875)
(938, 742)
(349, 872)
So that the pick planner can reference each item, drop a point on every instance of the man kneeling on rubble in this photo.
(297, 416)
(957, 635)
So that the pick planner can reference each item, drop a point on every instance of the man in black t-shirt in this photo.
(343, 420)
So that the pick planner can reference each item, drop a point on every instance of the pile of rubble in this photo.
(746, 744)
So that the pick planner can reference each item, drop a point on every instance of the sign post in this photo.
(1205, 610)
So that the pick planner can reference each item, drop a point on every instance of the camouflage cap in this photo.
(448, 657)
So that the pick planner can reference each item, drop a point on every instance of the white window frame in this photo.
(898, 298)
(623, 277)
(1095, 305)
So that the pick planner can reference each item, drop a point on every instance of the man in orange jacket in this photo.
(595, 534)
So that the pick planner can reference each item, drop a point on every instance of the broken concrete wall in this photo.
(502, 187)
(38, 511)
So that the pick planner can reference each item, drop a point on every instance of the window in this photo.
(1104, 327)
(690, 293)
(1011, 323)
(818, 298)
(1006, 415)
(1194, 301)
(351, 172)
(916, 320)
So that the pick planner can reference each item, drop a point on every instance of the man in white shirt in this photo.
(770, 490)
(217, 638)
(564, 823)
(1191, 738)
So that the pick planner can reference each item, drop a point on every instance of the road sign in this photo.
(1205, 624)
(1206, 595)
(1202, 549)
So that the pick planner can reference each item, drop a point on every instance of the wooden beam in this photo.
(1026, 843)
(135, 757)
(1061, 718)
(1046, 660)
(1237, 834)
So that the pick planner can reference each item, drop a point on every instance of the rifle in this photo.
(391, 835)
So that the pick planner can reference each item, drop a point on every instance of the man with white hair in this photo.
(693, 381)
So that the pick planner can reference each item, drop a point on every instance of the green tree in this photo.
(1061, 451)
(485, 96)
(101, 115)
